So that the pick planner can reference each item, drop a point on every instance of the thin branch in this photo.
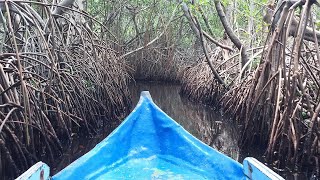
(229, 31)
(154, 40)
(207, 56)
(217, 42)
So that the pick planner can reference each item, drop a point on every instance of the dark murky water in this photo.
(205, 123)
(202, 121)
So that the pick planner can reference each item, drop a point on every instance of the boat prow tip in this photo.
(146, 94)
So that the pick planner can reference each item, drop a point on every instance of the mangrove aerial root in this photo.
(279, 103)
(57, 77)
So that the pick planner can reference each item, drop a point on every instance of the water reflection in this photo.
(78, 147)
(201, 121)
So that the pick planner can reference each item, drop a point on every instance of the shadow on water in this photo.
(202, 121)
(78, 147)
(205, 123)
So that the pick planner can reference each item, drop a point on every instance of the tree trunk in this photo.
(229, 31)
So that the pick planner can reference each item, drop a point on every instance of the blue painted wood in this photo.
(255, 170)
(39, 171)
(151, 145)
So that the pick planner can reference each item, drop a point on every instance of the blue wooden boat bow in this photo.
(150, 145)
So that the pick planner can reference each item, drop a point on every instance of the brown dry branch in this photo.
(160, 58)
(228, 70)
(198, 83)
(241, 47)
(278, 103)
(204, 47)
(57, 77)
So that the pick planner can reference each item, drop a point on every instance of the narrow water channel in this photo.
(201, 121)
(204, 122)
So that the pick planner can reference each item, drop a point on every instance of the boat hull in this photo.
(149, 144)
